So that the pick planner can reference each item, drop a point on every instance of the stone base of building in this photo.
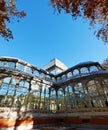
(32, 120)
(65, 123)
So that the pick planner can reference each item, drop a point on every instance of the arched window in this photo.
(53, 100)
(69, 97)
(47, 92)
(47, 77)
(22, 88)
(53, 79)
(7, 91)
(64, 76)
(21, 94)
(58, 78)
(53, 93)
(60, 94)
(46, 98)
(75, 72)
(34, 96)
(93, 68)
(69, 74)
(12, 86)
(10, 64)
(1, 63)
(92, 88)
(7, 80)
(36, 73)
(96, 93)
(5, 86)
(20, 67)
(79, 95)
(84, 70)
(42, 75)
(28, 70)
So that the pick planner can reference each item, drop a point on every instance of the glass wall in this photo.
(93, 94)
(60, 96)
(79, 95)
(53, 100)
(7, 92)
(96, 93)
(69, 97)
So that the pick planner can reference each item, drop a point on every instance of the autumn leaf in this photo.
(95, 11)
(8, 12)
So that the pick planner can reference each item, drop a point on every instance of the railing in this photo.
(82, 110)
(25, 68)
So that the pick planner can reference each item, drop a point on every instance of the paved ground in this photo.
(62, 128)
(89, 129)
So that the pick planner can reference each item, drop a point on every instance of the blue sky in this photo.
(43, 35)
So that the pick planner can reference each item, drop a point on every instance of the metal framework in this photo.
(24, 87)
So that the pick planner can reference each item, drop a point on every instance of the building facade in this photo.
(54, 90)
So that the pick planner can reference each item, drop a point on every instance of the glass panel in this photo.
(35, 72)
(80, 95)
(106, 82)
(7, 80)
(47, 77)
(20, 67)
(53, 101)
(35, 87)
(69, 97)
(1, 63)
(46, 99)
(58, 78)
(96, 93)
(7, 90)
(105, 87)
(93, 68)
(28, 70)
(22, 89)
(10, 64)
(42, 75)
(60, 99)
(53, 79)
(69, 74)
(92, 88)
(3, 89)
(75, 72)
(34, 99)
(63, 76)
(84, 70)
(21, 94)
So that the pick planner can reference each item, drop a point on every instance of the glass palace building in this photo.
(52, 95)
